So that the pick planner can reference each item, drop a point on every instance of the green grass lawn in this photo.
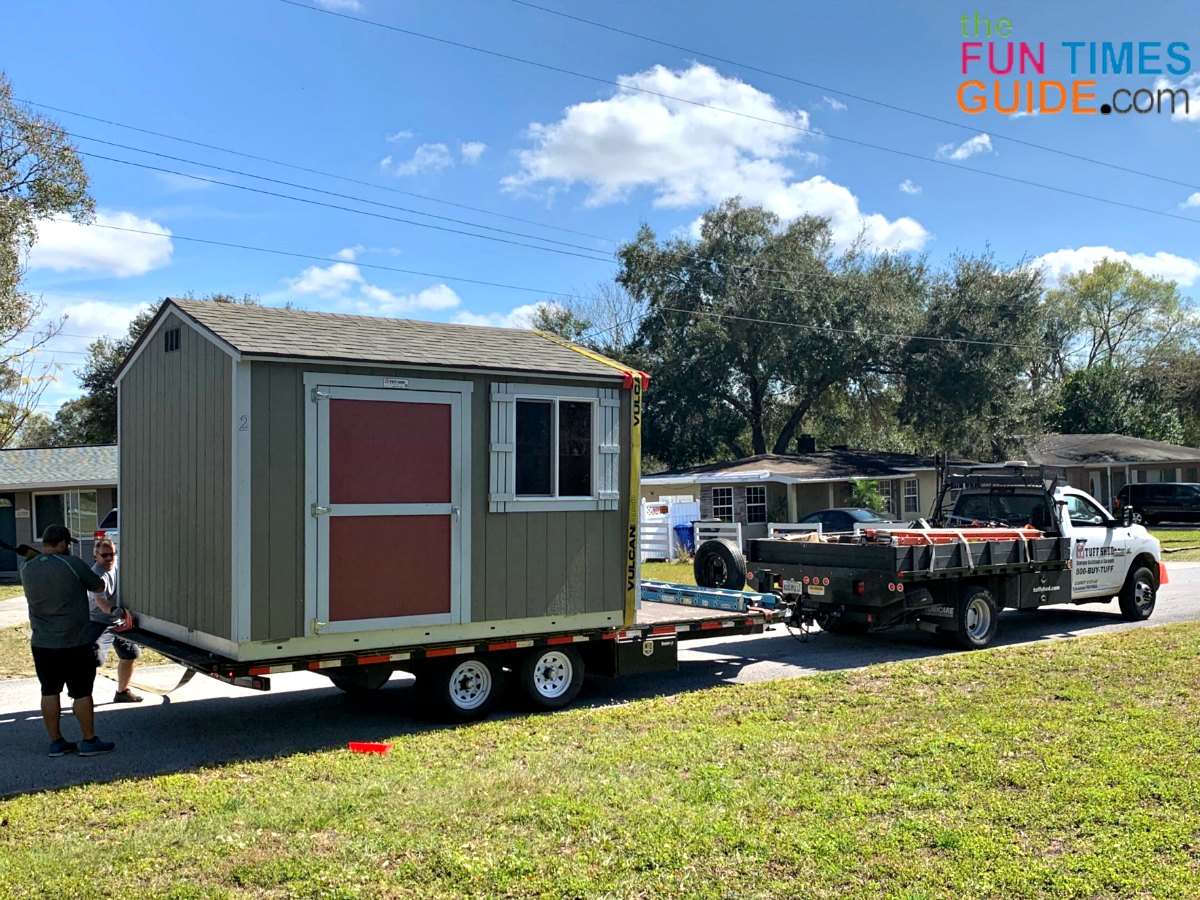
(676, 573)
(16, 661)
(1172, 540)
(11, 591)
(1067, 768)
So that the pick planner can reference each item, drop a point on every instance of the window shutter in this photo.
(609, 492)
(502, 447)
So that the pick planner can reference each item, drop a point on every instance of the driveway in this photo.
(209, 723)
(13, 612)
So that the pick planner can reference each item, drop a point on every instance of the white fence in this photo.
(657, 540)
(728, 531)
(774, 528)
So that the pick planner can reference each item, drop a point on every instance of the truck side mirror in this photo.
(1127, 515)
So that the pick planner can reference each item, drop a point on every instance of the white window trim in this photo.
(37, 526)
(763, 504)
(714, 504)
(916, 495)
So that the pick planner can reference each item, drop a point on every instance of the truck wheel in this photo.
(838, 625)
(1138, 596)
(719, 564)
(551, 676)
(978, 619)
(359, 679)
(461, 690)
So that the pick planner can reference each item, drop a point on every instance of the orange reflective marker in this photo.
(368, 747)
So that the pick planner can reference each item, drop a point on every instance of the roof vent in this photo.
(170, 340)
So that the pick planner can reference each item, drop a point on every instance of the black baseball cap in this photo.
(56, 534)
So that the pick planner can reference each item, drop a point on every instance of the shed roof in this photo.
(58, 467)
(822, 465)
(266, 331)
(1103, 449)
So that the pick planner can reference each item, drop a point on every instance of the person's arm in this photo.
(102, 602)
(92, 582)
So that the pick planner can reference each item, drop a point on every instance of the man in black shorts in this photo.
(106, 612)
(56, 588)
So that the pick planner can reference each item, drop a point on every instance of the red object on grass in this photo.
(368, 747)
(1162, 574)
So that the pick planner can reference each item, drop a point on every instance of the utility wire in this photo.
(299, 168)
(1012, 179)
(857, 97)
(349, 209)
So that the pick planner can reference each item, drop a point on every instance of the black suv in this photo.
(1161, 502)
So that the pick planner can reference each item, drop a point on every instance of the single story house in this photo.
(72, 486)
(772, 487)
(1102, 464)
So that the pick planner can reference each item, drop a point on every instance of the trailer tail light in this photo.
(860, 587)
(892, 586)
(899, 587)
(825, 581)
(805, 579)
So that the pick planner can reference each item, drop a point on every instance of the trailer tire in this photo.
(978, 618)
(1138, 595)
(551, 676)
(460, 690)
(719, 564)
(357, 680)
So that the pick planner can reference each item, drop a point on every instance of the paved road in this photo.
(13, 612)
(209, 723)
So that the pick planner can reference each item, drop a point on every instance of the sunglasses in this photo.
(107, 555)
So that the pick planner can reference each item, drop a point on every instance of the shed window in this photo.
(554, 448)
(170, 340)
(723, 504)
(535, 419)
(912, 495)
(756, 503)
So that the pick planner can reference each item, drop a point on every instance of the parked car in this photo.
(845, 518)
(1160, 502)
(108, 529)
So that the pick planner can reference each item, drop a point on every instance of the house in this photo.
(772, 487)
(72, 486)
(297, 482)
(1102, 464)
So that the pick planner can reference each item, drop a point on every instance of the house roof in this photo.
(58, 467)
(822, 465)
(266, 331)
(1103, 449)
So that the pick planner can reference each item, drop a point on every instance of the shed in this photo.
(298, 482)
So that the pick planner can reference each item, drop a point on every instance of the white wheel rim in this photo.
(1143, 594)
(552, 674)
(979, 618)
(470, 684)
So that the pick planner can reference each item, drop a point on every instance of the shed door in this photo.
(389, 493)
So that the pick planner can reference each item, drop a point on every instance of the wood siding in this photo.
(175, 439)
(523, 565)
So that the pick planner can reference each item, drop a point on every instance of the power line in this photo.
(857, 97)
(349, 209)
(324, 174)
(1012, 179)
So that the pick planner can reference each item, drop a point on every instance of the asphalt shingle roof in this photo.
(272, 331)
(58, 467)
(1092, 449)
(821, 465)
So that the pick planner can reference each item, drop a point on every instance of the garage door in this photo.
(389, 496)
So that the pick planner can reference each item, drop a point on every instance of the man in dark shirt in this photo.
(56, 588)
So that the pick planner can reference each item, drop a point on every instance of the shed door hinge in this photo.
(318, 394)
(319, 510)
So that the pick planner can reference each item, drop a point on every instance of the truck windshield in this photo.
(1008, 509)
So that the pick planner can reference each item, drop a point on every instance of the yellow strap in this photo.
(633, 555)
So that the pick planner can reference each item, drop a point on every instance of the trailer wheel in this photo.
(461, 689)
(359, 679)
(978, 618)
(1138, 596)
(551, 676)
(719, 564)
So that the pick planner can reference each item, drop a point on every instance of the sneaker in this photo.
(95, 747)
(62, 747)
(127, 696)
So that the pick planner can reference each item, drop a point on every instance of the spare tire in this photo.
(720, 564)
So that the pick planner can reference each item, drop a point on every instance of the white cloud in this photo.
(181, 183)
(63, 245)
(341, 5)
(835, 105)
(691, 155)
(1186, 109)
(331, 281)
(1023, 114)
(350, 253)
(397, 136)
(1192, 201)
(518, 317)
(344, 283)
(426, 158)
(981, 143)
(471, 151)
(908, 186)
(439, 296)
(1068, 261)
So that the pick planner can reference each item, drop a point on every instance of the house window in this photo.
(554, 448)
(756, 503)
(912, 496)
(75, 509)
(723, 504)
(170, 340)
(888, 495)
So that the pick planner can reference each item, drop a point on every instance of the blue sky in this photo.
(269, 79)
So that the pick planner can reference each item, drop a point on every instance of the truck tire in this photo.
(359, 679)
(838, 625)
(551, 676)
(460, 690)
(978, 618)
(1138, 596)
(719, 564)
